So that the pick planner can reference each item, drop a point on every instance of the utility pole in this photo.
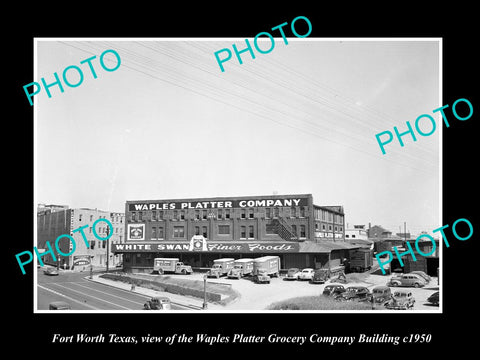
(108, 244)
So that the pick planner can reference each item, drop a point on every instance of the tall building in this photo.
(198, 231)
(92, 251)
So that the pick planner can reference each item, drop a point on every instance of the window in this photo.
(227, 213)
(352, 236)
(268, 213)
(160, 233)
(336, 228)
(154, 233)
(89, 230)
(330, 227)
(204, 232)
(250, 232)
(160, 215)
(250, 213)
(91, 218)
(197, 216)
(316, 226)
(293, 212)
(92, 244)
(302, 211)
(104, 244)
(140, 215)
(182, 215)
(276, 212)
(219, 214)
(347, 236)
(302, 231)
(175, 214)
(243, 215)
(204, 214)
(323, 227)
(270, 229)
(243, 232)
(197, 230)
(178, 232)
(223, 229)
(80, 217)
(154, 215)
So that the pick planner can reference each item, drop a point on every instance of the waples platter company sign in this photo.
(222, 204)
(228, 247)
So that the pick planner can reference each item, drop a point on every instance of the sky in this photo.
(168, 123)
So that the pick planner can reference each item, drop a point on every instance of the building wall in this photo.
(50, 225)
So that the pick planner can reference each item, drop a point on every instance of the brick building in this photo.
(291, 226)
(56, 221)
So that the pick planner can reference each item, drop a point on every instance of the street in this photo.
(82, 294)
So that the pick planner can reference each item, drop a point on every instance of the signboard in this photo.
(80, 260)
(225, 247)
(136, 232)
(247, 203)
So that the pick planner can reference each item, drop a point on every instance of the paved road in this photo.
(82, 294)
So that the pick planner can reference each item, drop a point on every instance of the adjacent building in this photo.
(198, 231)
(54, 221)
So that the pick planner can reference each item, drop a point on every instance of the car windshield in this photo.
(292, 271)
(238, 266)
(400, 294)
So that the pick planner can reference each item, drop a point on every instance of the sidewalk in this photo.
(148, 293)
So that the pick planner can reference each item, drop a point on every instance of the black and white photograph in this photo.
(295, 179)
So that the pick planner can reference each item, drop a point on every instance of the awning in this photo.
(325, 247)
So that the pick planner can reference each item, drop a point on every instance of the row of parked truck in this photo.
(262, 268)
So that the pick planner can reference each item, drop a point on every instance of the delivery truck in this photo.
(241, 268)
(269, 265)
(220, 267)
(361, 260)
(170, 265)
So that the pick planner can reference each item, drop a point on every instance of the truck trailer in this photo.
(269, 265)
(241, 268)
(220, 267)
(170, 265)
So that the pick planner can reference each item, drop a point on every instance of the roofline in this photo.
(219, 198)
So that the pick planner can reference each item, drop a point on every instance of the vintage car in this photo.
(381, 294)
(407, 280)
(306, 274)
(158, 303)
(59, 305)
(400, 300)
(320, 276)
(333, 290)
(422, 275)
(261, 277)
(292, 274)
(355, 293)
(434, 298)
(51, 271)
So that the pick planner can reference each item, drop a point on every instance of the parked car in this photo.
(381, 294)
(423, 275)
(50, 271)
(306, 274)
(407, 280)
(355, 293)
(320, 276)
(261, 277)
(292, 274)
(400, 300)
(59, 305)
(333, 290)
(434, 298)
(158, 303)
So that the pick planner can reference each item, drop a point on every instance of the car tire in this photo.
(184, 272)
(417, 285)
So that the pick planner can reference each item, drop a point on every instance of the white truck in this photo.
(241, 267)
(171, 265)
(269, 265)
(220, 267)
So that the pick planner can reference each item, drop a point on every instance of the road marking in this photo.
(103, 292)
(94, 297)
(67, 297)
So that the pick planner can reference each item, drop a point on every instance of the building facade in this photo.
(52, 224)
(198, 231)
